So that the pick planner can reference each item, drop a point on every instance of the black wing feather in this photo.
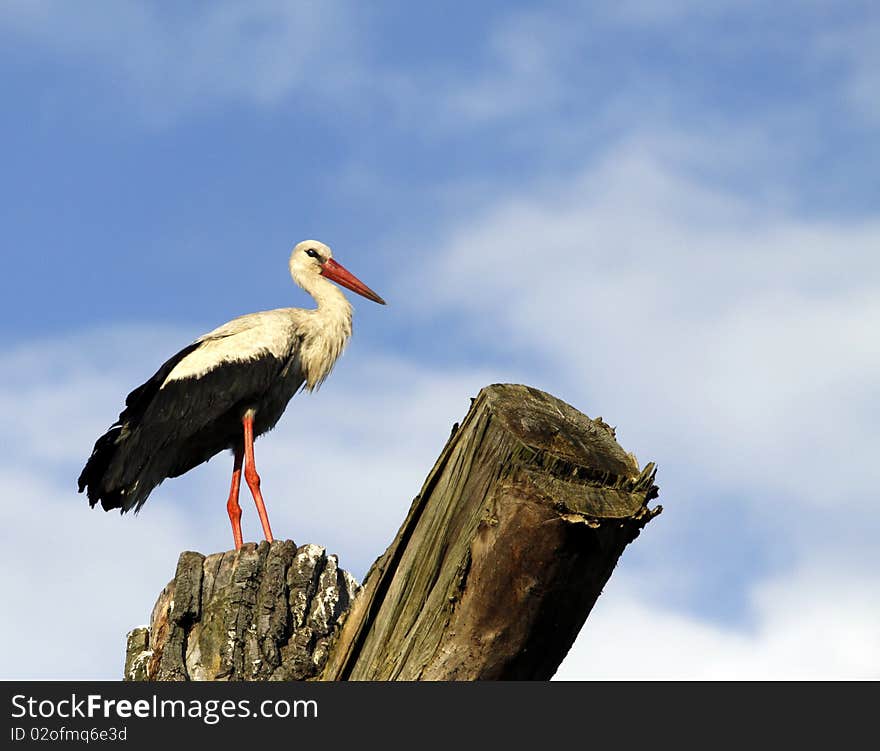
(105, 447)
(163, 432)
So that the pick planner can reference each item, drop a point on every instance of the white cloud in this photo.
(168, 61)
(525, 58)
(818, 622)
(552, 64)
(75, 582)
(735, 339)
(567, 77)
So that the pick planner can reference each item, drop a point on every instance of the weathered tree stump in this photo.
(491, 576)
(265, 612)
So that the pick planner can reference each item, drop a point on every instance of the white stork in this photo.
(225, 388)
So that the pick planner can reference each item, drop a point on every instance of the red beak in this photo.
(339, 274)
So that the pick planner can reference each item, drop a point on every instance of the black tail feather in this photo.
(93, 474)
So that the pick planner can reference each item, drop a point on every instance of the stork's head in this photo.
(311, 259)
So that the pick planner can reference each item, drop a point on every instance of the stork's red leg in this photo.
(232, 504)
(250, 473)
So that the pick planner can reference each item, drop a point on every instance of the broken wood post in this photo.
(491, 575)
(505, 550)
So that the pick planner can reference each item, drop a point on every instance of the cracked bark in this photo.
(491, 575)
(265, 612)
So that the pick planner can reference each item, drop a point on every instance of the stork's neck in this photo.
(330, 330)
(333, 305)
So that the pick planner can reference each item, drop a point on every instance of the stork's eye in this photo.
(312, 253)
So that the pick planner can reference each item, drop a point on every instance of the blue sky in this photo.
(664, 213)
